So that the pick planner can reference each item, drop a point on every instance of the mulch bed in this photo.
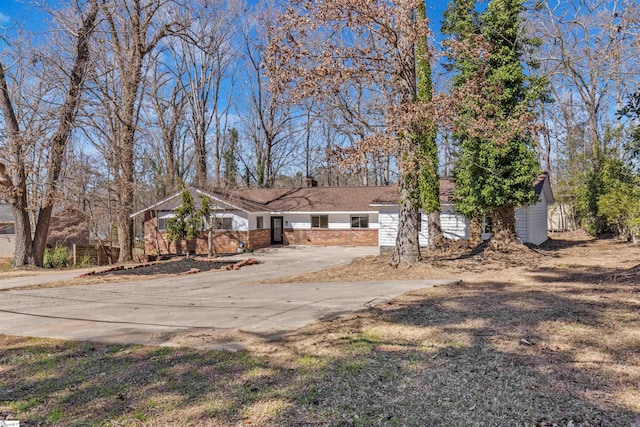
(181, 266)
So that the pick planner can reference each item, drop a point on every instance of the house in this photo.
(327, 216)
(257, 218)
(531, 221)
(7, 231)
(68, 226)
(454, 225)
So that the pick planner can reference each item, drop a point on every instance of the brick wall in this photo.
(259, 238)
(222, 241)
(227, 241)
(332, 237)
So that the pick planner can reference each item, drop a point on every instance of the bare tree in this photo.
(269, 122)
(587, 51)
(164, 115)
(360, 42)
(13, 170)
(207, 47)
(132, 30)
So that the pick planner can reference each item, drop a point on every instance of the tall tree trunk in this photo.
(407, 249)
(28, 249)
(436, 238)
(503, 222)
(14, 180)
(201, 161)
(428, 181)
(594, 137)
(125, 180)
(134, 21)
(61, 136)
(125, 236)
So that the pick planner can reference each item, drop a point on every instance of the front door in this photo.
(276, 230)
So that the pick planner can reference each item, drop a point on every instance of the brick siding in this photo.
(259, 238)
(228, 241)
(332, 237)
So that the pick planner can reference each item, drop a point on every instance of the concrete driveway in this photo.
(221, 309)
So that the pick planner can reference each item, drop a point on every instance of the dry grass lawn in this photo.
(549, 337)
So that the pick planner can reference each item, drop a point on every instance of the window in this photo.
(259, 223)
(487, 225)
(7, 229)
(320, 221)
(162, 224)
(223, 223)
(360, 221)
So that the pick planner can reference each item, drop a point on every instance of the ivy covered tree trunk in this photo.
(407, 249)
(428, 179)
(411, 156)
(503, 222)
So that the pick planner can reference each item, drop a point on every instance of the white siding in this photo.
(423, 235)
(388, 226)
(531, 222)
(522, 224)
(297, 221)
(538, 222)
(336, 220)
(454, 226)
(253, 221)
(374, 220)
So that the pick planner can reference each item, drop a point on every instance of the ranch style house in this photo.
(327, 216)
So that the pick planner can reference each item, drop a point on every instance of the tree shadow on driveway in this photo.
(487, 354)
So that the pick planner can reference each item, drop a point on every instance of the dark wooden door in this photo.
(277, 230)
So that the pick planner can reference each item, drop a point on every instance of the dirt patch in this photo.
(575, 255)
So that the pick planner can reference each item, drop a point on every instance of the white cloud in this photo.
(4, 19)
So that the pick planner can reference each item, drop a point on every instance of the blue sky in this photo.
(21, 13)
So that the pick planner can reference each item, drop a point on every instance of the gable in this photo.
(219, 202)
(315, 199)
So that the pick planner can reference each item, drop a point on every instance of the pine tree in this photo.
(187, 222)
(230, 161)
(495, 103)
